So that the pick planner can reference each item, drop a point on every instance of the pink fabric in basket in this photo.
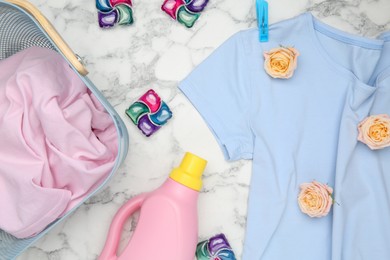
(57, 141)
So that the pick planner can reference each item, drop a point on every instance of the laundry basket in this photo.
(23, 26)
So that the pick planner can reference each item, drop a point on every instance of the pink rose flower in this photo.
(281, 62)
(374, 131)
(315, 199)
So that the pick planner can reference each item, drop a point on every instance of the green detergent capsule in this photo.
(186, 17)
(125, 14)
(136, 110)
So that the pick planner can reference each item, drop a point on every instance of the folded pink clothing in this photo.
(57, 141)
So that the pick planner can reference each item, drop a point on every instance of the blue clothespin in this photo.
(262, 19)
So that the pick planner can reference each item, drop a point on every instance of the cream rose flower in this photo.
(281, 62)
(374, 131)
(315, 199)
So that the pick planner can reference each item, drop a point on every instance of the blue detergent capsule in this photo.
(162, 115)
(103, 5)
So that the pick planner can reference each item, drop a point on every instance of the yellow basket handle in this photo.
(53, 34)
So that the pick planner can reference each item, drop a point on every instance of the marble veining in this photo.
(157, 52)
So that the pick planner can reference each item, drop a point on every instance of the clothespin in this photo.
(262, 19)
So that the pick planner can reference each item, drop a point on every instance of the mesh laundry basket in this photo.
(23, 26)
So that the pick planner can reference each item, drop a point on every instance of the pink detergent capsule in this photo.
(171, 6)
(117, 2)
(152, 100)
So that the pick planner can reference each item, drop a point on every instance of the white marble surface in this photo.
(156, 52)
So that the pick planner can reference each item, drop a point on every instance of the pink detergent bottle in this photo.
(167, 228)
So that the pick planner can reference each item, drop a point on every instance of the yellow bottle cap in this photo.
(190, 171)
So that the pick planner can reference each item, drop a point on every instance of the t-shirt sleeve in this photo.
(219, 89)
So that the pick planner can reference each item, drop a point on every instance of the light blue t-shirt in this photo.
(288, 127)
(361, 223)
(384, 62)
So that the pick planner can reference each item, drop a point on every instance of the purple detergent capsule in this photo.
(216, 248)
(185, 12)
(196, 6)
(146, 126)
(112, 12)
(108, 19)
(149, 112)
